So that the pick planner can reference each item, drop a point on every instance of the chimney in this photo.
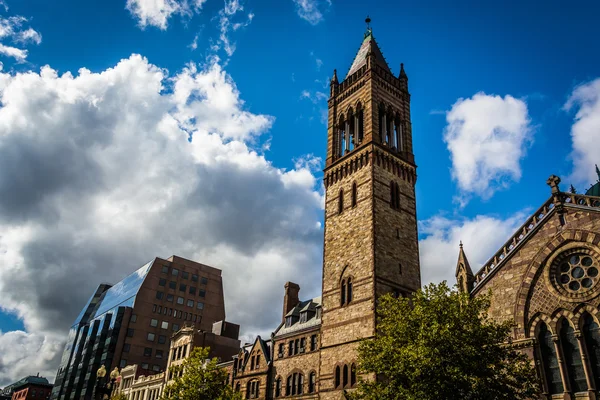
(291, 299)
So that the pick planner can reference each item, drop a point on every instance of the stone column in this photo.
(586, 366)
(347, 136)
(356, 130)
(562, 367)
(383, 129)
(400, 138)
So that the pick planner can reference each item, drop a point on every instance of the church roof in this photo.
(532, 225)
(369, 45)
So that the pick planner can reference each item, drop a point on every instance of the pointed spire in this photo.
(402, 72)
(334, 80)
(598, 172)
(368, 48)
(464, 273)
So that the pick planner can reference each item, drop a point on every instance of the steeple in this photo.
(368, 48)
(464, 274)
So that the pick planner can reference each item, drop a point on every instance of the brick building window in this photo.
(341, 201)
(165, 269)
(354, 194)
(200, 305)
(202, 293)
(194, 278)
(257, 361)
(185, 275)
(312, 382)
(313, 342)
(154, 323)
(352, 375)
(150, 337)
(190, 303)
(179, 300)
(346, 291)
(170, 298)
(160, 295)
(291, 348)
(162, 282)
(192, 290)
(175, 272)
(182, 287)
(204, 281)
(147, 351)
(278, 387)
(337, 377)
(172, 285)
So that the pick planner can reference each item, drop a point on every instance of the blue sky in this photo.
(527, 60)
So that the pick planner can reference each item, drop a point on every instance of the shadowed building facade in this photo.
(546, 280)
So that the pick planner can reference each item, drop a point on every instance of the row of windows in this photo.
(178, 313)
(350, 131)
(295, 384)
(573, 348)
(345, 377)
(184, 275)
(181, 300)
(179, 352)
(354, 198)
(42, 394)
(297, 346)
(182, 287)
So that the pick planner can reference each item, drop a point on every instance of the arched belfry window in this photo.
(341, 201)
(337, 377)
(354, 194)
(550, 361)
(345, 382)
(352, 375)
(591, 335)
(398, 134)
(359, 123)
(382, 122)
(351, 129)
(572, 356)
(342, 142)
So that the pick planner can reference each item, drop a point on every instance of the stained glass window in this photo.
(572, 355)
(550, 361)
(591, 334)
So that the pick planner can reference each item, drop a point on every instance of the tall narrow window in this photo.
(351, 127)
(591, 334)
(349, 288)
(341, 202)
(337, 376)
(400, 134)
(345, 376)
(288, 386)
(361, 126)
(343, 133)
(352, 375)
(252, 363)
(393, 194)
(312, 380)
(278, 387)
(343, 292)
(572, 357)
(550, 361)
(354, 194)
(300, 389)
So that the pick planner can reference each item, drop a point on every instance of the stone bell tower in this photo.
(371, 244)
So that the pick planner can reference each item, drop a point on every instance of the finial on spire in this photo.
(460, 245)
(368, 21)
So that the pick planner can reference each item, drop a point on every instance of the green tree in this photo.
(201, 379)
(441, 344)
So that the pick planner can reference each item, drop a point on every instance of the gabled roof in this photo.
(307, 306)
(264, 346)
(532, 225)
(368, 46)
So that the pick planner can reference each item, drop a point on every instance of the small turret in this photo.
(464, 274)
(333, 85)
(403, 77)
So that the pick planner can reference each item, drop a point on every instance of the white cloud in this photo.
(482, 236)
(12, 31)
(585, 132)
(99, 177)
(487, 137)
(26, 353)
(315, 97)
(226, 26)
(154, 12)
(17, 54)
(312, 10)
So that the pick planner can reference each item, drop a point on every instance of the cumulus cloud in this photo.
(312, 10)
(158, 12)
(101, 172)
(482, 236)
(14, 32)
(487, 137)
(314, 96)
(585, 132)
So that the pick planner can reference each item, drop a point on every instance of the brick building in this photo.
(29, 388)
(370, 244)
(132, 322)
(545, 280)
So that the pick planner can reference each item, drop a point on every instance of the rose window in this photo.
(577, 272)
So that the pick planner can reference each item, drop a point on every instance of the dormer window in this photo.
(290, 320)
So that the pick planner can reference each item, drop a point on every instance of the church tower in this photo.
(371, 244)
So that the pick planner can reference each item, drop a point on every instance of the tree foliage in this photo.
(200, 379)
(441, 344)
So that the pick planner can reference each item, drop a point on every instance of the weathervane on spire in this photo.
(368, 21)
